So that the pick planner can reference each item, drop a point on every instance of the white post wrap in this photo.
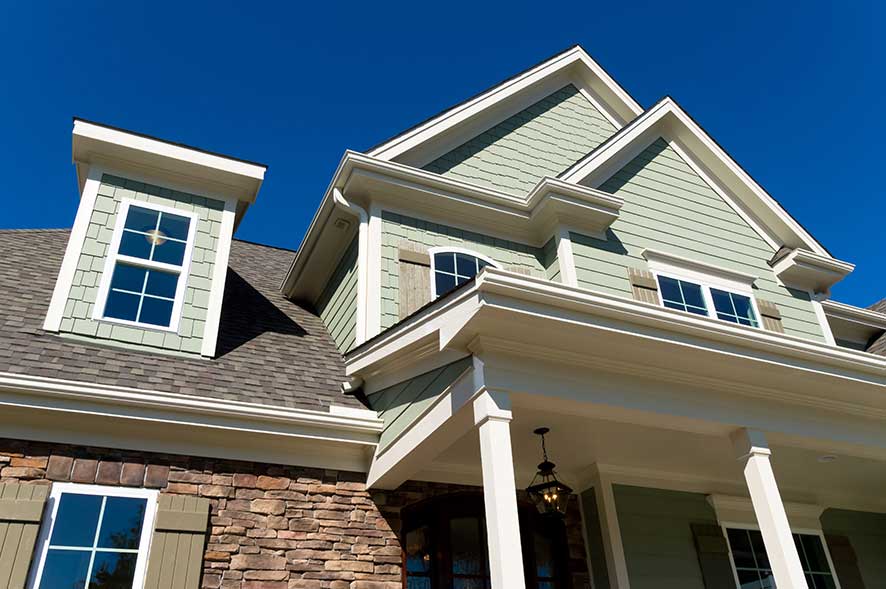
(752, 448)
(492, 416)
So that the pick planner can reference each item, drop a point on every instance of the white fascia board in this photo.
(94, 143)
(82, 397)
(619, 100)
(446, 324)
(865, 317)
(810, 271)
(667, 119)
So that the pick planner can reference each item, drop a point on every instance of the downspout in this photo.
(362, 259)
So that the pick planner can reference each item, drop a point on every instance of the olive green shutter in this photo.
(643, 286)
(414, 281)
(176, 557)
(770, 316)
(713, 556)
(845, 562)
(21, 507)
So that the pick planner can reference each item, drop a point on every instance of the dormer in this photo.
(146, 262)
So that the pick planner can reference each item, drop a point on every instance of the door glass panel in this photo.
(418, 557)
(544, 558)
(467, 546)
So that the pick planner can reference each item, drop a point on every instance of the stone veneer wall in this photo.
(271, 526)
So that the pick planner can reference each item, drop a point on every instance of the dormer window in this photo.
(146, 272)
(684, 295)
(452, 267)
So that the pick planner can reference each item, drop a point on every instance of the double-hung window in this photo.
(95, 537)
(752, 568)
(146, 273)
(450, 268)
(701, 299)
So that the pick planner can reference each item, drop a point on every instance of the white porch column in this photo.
(753, 449)
(492, 416)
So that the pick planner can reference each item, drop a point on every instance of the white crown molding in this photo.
(810, 271)
(663, 261)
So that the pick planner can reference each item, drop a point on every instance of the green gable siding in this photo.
(337, 305)
(400, 230)
(594, 538)
(657, 537)
(541, 140)
(77, 318)
(669, 207)
(401, 404)
(550, 261)
(867, 535)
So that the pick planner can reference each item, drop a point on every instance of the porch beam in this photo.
(753, 450)
(492, 416)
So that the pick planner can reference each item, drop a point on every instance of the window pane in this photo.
(65, 569)
(821, 582)
(418, 557)
(121, 305)
(743, 307)
(741, 549)
(722, 302)
(141, 219)
(135, 245)
(156, 312)
(128, 277)
(481, 263)
(122, 522)
(444, 283)
(759, 549)
(544, 557)
(465, 265)
(75, 520)
(418, 583)
(169, 252)
(445, 262)
(469, 584)
(461, 280)
(692, 294)
(749, 580)
(815, 556)
(174, 226)
(467, 547)
(670, 290)
(162, 284)
(113, 570)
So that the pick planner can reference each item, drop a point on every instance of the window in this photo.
(450, 268)
(144, 279)
(752, 564)
(691, 297)
(445, 546)
(95, 538)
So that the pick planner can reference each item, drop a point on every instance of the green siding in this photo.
(401, 404)
(867, 534)
(77, 318)
(658, 542)
(338, 303)
(398, 229)
(550, 261)
(594, 536)
(542, 140)
(669, 207)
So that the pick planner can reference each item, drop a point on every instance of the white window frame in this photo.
(48, 523)
(803, 531)
(432, 252)
(114, 256)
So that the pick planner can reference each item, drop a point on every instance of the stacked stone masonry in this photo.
(271, 526)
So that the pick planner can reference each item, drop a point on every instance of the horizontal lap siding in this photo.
(420, 235)
(337, 305)
(541, 140)
(657, 537)
(867, 535)
(669, 207)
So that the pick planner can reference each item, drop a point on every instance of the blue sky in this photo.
(794, 91)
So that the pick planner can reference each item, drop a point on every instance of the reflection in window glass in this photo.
(752, 563)
(94, 538)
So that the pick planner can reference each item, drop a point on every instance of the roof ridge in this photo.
(267, 245)
(36, 230)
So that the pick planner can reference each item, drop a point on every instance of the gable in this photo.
(542, 140)
(667, 206)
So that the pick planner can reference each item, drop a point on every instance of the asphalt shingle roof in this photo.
(270, 350)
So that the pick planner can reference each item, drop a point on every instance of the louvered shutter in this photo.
(21, 508)
(414, 281)
(713, 556)
(643, 286)
(176, 556)
(845, 562)
(770, 316)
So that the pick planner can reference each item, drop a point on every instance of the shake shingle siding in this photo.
(338, 303)
(541, 140)
(270, 350)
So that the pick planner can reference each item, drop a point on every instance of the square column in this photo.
(492, 416)
(753, 450)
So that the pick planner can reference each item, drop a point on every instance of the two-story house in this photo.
(545, 274)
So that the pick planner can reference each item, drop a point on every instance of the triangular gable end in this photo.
(709, 161)
(452, 128)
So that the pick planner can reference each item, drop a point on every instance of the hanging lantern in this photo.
(548, 494)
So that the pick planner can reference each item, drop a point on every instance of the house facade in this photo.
(182, 409)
